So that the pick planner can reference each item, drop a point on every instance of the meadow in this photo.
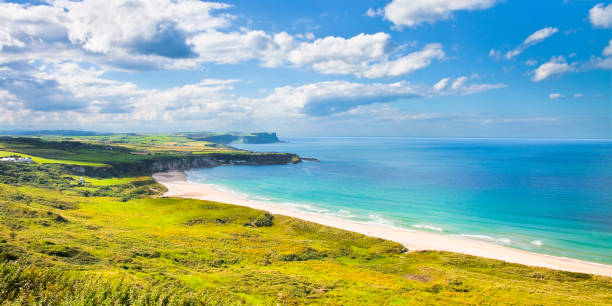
(114, 240)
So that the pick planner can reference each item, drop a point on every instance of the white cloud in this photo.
(460, 86)
(326, 98)
(578, 95)
(83, 96)
(386, 112)
(441, 84)
(607, 51)
(540, 35)
(496, 54)
(7, 40)
(537, 37)
(141, 26)
(604, 62)
(234, 47)
(363, 55)
(556, 96)
(166, 34)
(601, 16)
(459, 82)
(374, 13)
(414, 12)
(405, 64)
(351, 51)
(556, 66)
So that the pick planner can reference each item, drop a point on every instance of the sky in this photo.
(426, 68)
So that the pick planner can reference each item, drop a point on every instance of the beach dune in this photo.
(178, 186)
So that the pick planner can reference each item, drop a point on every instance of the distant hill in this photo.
(215, 137)
(226, 138)
(53, 132)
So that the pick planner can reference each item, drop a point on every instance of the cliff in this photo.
(149, 166)
(235, 137)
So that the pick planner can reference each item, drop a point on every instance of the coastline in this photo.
(178, 186)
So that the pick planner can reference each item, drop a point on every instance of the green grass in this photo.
(51, 161)
(102, 250)
(113, 241)
(106, 182)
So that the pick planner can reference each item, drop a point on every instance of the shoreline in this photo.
(178, 186)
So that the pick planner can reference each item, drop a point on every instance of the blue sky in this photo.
(461, 68)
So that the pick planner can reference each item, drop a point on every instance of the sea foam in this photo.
(488, 238)
(537, 242)
(429, 227)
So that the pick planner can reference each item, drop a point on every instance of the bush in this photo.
(264, 219)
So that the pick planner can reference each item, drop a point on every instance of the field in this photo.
(114, 241)
(150, 143)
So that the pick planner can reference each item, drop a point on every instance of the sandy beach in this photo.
(414, 240)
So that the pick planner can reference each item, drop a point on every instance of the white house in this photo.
(16, 159)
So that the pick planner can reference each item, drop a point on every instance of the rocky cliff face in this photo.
(146, 167)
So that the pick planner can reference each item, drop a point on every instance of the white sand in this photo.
(414, 240)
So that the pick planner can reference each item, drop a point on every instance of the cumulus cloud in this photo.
(7, 40)
(535, 38)
(326, 98)
(36, 92)
(602, 62)
(363, 55)
(157, 27)
(57, 93)
(601, 16)
(405, 64)
(374, 13)
(556, 66)
(331, 54)
(458, 83)
(414, 12)
(166, 34)
(556, 96)
(607, 51)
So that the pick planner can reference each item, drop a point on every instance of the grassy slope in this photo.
(147, 250)
(111, 241)
(51, 161)
(100, 151)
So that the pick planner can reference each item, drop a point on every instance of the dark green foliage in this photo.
(47, 175)
(30, 285)
(264, 219)
(303, 254)
(131, 190)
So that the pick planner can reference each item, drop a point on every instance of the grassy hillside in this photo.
(111, 241)
(143, 156)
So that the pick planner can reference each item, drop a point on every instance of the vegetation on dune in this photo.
(111, 240)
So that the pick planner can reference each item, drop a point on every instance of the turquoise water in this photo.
(547, 196)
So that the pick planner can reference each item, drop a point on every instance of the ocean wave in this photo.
(376, 219)
(306, 207)
(429, 227)
(537, 242)
(342, 213)
(488, 238)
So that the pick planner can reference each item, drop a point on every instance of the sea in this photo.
(549, 196)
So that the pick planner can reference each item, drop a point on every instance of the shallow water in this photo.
(547, 196)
